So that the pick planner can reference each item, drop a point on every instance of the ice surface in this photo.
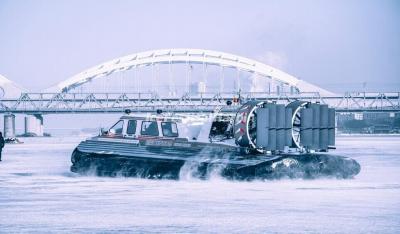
(39, 194)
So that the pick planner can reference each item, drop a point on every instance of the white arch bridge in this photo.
(180, 80)
(212, 66)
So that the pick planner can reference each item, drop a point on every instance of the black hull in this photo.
(307, 166)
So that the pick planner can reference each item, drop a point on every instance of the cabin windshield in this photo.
(149, 128)
(117, 128)
(131, 128)
(169, 129)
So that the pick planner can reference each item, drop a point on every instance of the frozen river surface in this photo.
(39, 194)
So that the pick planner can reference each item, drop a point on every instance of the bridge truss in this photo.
(52, 103)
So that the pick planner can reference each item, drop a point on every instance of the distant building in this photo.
(380, 128)
(367, 116)
(376, 115)
(198, 87)
(359, 116)
(342, 117)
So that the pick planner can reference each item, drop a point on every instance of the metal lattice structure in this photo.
(49, 103)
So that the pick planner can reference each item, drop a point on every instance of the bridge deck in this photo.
(50, 103)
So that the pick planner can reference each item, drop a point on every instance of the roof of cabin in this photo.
(152, 118)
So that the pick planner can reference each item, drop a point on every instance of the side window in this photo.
(149, 128)
(131, 129)
(117, 128)
(169, 129)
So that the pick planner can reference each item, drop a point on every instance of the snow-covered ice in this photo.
(39, 194)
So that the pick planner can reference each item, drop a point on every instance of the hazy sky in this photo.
(335, 44)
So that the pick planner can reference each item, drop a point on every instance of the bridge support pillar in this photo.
(9, 126)
(34, 125)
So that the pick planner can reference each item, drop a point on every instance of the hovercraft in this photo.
(262, 140)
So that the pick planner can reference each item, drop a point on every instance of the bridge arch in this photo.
(9, 89)
(188, 56)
